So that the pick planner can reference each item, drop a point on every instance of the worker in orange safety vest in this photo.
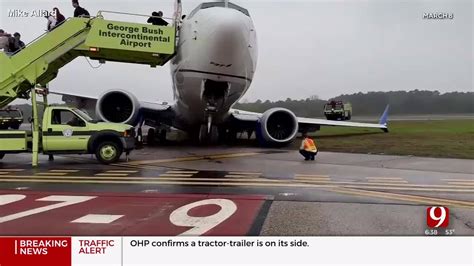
(308, 148)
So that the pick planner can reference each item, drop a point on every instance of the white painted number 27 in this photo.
(63, 201)
(201, 225)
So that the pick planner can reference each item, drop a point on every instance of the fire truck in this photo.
(337, 110)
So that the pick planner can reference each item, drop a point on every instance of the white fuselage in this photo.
(217, 56)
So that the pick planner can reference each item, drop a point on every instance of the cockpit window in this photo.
(219, 4)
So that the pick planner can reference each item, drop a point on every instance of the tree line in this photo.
(373, 103)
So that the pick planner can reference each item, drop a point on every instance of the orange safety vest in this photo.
(309, 145)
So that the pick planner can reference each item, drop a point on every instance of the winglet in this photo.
(384, 118)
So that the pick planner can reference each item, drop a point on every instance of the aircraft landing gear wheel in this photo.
(162, 136)
(206, 137)
(139, 138)
(150, 136)
(108, 152)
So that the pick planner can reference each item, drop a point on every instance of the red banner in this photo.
(15, 251)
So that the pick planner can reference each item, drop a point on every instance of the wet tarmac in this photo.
(177, 190)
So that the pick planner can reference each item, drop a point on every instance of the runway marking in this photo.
(315, 176)
(63, 202)
(194, 158)
(7, 199)
(110, 174)
(4, 173)
(462, 183)
(175, 175)
(242, 176)
(51, 174)
(160, 178)
(458, 180)
(122, 171)
(404, 197)
(64, 171)
(383, 184)
(181, 172)
(413, 189)
(97, 219)
(245, 173)
(385, 178)
(270, 184)
(389, 181)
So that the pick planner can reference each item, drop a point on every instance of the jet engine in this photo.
(118, 106)
(277, 126)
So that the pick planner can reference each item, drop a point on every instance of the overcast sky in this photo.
(323, 48)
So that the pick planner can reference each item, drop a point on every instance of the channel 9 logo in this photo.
(437, 217)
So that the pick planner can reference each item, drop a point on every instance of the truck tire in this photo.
(349, 116)
(108, 152)
(2, 155)
(15, 126)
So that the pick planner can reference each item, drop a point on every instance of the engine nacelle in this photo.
(277, 126)
(118, 106)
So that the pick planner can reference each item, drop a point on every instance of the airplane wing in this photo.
(313, 124)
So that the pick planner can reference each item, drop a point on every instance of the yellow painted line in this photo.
(385, 178)
(194, 158)
(404, 197)
(458, 180)
(380, 184)
(50, 174)
(241, 176)
(413, 189)
(110, 174)
(167, 183)
(64, 171)
(389, 181)
(151, 178)
(327, 179)
(305, 175)
(462, 183)
(182, 172)
(245, 173)
(121, 171)
(175, 175)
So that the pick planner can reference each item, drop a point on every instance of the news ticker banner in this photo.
(128, 251)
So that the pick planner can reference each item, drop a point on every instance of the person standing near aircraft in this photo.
(79, 11)
(51, 22)
(308, 148)
(18, 44)
(59, 17)
(157, 19)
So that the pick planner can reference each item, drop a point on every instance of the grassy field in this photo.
(442, 138)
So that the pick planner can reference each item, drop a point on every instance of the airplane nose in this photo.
(227, 31)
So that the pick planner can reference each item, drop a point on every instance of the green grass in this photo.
(443, 138)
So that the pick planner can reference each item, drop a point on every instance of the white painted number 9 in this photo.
(439, 218)
(201, 225)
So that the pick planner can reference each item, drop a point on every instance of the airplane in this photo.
(213, 68)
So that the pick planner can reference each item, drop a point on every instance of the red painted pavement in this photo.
(144, 214)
